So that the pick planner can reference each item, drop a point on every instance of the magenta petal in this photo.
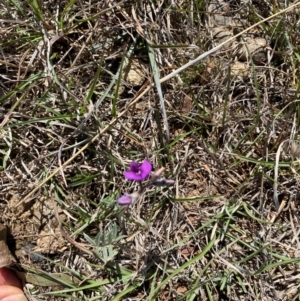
(130, 175)
(134, 167)
(145, 169)
(124, 200)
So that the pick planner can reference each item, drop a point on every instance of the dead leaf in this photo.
(257, 49)
(135, 72)
(181, 289)
(6, 258)
(240, 69)
(186, 105)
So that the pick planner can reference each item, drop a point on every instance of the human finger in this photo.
(11, 293)
(8, 277)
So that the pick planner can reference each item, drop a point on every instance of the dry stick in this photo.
(172, 74)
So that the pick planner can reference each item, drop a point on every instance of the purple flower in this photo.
(138, 172)
(124, 200)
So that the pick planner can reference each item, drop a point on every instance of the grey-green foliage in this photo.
(104, 243)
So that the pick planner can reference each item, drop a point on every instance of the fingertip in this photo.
(8, 277)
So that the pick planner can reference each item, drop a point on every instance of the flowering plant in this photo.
(140, 172)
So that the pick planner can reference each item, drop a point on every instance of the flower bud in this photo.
(124, 200)
(164, 182)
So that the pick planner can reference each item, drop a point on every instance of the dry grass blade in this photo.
(159, 90)
(294, 151)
